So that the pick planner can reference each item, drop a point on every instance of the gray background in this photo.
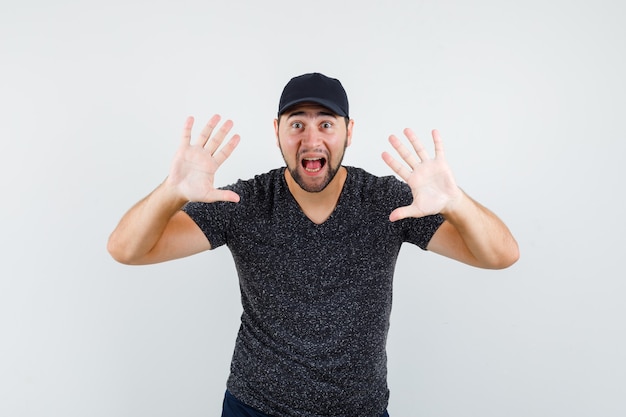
(529, 98)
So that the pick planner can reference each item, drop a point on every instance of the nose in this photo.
(310, 138)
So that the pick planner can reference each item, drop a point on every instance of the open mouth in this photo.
(313, 164)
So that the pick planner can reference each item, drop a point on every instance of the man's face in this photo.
(312, 141)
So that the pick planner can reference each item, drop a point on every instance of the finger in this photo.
(417, 145)
(226, 150)
(404, 152)
(399, 214)
(206, 132)
(218, 138)
(227, 195)
(439, 153)
(405, 212)
(396, 166)
(186, 136)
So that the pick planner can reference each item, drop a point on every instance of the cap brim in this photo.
(325, 103)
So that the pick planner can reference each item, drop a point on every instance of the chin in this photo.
(317, 185)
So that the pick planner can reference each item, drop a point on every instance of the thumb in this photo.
(225, 195)
(399, 213)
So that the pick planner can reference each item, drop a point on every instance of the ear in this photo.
(276, 130)
(349, 132)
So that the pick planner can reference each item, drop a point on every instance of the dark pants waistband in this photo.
(235, 408)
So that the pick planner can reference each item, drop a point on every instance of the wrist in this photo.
(455, 203)
(171, 193)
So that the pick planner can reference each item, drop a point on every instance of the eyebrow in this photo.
(319, 113)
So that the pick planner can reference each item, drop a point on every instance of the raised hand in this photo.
(432, 183)
(194, 166)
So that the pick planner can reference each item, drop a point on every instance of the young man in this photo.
(315, 245)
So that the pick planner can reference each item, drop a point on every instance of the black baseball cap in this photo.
(315, 88)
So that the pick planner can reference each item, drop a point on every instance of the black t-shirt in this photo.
(316, 297)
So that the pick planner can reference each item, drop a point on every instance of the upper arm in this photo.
(448, 242)
(181, 237)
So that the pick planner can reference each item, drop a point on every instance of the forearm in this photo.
(141, 227)
(487, 239)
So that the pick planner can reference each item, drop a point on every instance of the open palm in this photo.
(194, 166)
(431, 181)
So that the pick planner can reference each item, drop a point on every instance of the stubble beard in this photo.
(330, 175)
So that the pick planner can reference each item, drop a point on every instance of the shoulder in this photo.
(252, 192)
(367, 179)
(260, 184)
(384, 190)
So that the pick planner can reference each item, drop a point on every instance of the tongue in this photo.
(313, 165)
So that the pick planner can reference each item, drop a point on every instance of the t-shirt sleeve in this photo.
(420, 231)
(417, 231)
(213, 218)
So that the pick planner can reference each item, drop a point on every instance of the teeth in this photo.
(318, 162)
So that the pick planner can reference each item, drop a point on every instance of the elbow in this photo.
(506, 258)
(118, 253)
(514, 256)
(505, 262)
(126, 253)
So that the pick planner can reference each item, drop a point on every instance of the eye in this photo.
(296, 125)
(326, 125)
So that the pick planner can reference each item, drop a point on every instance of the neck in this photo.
(318, 206)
